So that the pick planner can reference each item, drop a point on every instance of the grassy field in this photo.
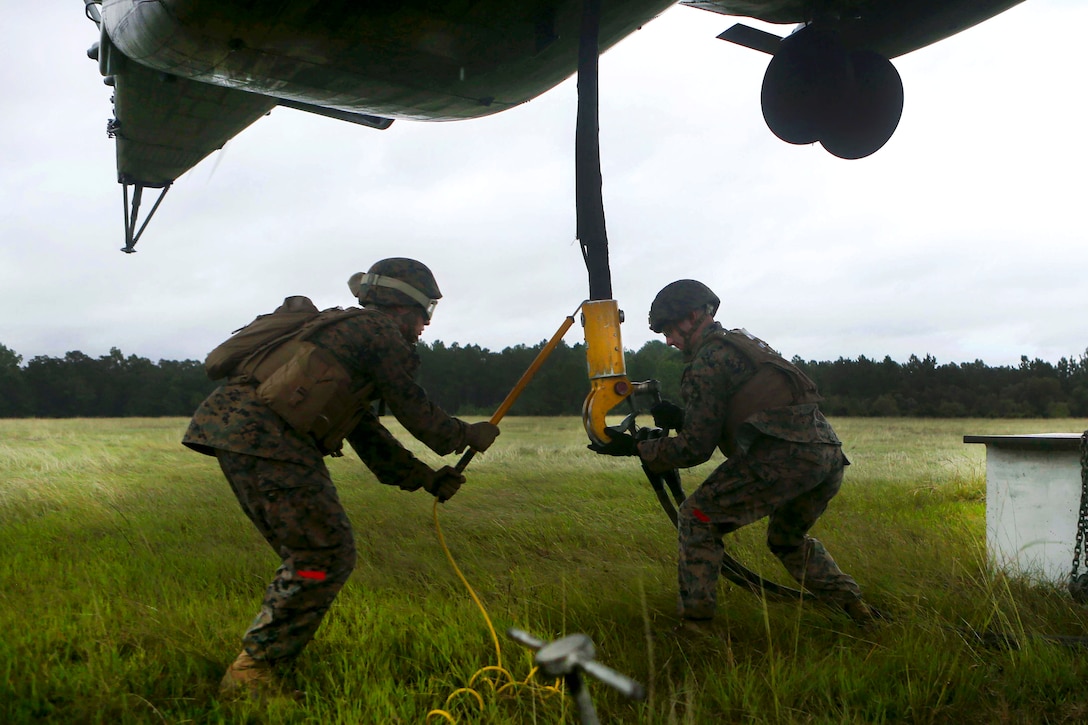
(128, 574)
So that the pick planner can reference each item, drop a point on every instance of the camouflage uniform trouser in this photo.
(297, 510)
(790, 482)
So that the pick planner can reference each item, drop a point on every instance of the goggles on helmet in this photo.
(376, 280)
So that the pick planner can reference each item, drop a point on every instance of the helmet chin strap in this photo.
(699, 320)
(405, 317)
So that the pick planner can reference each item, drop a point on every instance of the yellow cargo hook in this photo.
(605, 365)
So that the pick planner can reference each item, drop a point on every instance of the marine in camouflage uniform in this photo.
(280, 478)
(784, 460)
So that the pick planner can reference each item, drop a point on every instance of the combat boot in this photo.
(697, 627)
(248, 677)
(861, 612)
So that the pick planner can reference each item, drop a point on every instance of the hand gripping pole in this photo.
(521, 383)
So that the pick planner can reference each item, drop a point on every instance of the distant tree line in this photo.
(111, 386)
(922, 388)
(468, 380)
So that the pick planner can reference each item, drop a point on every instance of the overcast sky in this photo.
(962, 238)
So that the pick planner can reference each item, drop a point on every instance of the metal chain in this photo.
(1078, 583)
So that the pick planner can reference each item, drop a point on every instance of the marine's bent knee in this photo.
(344, 563)
(326, 567)
(692, 515)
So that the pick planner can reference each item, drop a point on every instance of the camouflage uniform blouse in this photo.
(715, 370)
(373, 350)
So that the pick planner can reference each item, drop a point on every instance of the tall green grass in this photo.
(128, 574)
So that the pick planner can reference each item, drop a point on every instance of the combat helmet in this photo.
(396, 281)
(676, 300)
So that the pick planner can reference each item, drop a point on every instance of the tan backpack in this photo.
(264, 332)
(301, 382)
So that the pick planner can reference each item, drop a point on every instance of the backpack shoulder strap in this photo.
(325, 318)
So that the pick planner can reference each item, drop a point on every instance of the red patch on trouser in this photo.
(315, 575)
(700, 516)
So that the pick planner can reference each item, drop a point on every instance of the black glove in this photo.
(622, 444)
(443, 483)
(668, 415)
(480, 436)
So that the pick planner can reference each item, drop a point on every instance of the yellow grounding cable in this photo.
(509, 684)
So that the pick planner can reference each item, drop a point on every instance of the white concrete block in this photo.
(1033, 486)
